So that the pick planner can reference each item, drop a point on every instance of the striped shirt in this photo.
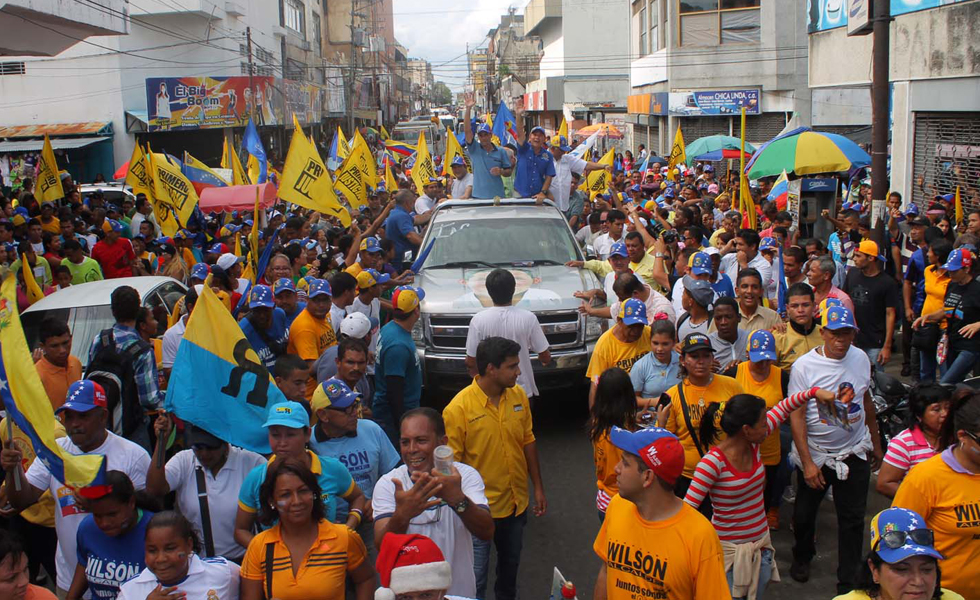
(908, 449)
(737, 496)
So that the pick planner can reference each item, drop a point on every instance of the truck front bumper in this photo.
(447, 370)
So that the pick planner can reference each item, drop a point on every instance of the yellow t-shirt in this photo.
(720, 389)
(644, 270)
(935, 286)
(308, 338)
(336, 551)
(606, 458)
(857, 595)
(950, 503)
(792, 345)
(52, 226)
(611, 352)
(491, 440)
(42, 512)
(678, 558)
(770, 390)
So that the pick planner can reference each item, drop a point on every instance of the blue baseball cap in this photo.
(370, 244)
(333, 393)
(283, 284)
(633, 312)
(768, 243)
(287, 414)
(701, 264)
(619, 249)
(261, 296)
(538, 129)
(309, 243)
(911, 209)
(762, 346)
(83, 396)
(659, 449)
(115, 225)
(200, 271)
(483, 128)
(319, 287)
(559, 142)
(898, 533)
(709, 169)
(838, 317)
(960, 258)
(458, 161)
(216, 248)
(669, 192)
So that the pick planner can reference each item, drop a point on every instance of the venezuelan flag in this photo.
(26, 401)
(400, 148)
(218, 382)
(779, 192)
(504, 124)
(200, 175)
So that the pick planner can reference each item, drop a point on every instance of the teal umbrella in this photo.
(717, 147)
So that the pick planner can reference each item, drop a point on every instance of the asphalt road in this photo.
(563, 537)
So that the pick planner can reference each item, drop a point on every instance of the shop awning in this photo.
(56, 130)
(137, 121)
(57, 144)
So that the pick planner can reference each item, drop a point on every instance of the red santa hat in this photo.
(410, 563)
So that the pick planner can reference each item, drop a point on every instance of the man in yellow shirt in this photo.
(627, 342)
(652, 544)
(370, 254)
(490, 429)
(641, 261)
(55, 365)
(802, 332)
(749, 289)
(311, 332)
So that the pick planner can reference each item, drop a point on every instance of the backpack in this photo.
(115, 371)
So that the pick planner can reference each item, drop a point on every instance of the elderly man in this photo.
(490, 163)
(820, 276)
(535, 165)
(462, 186)
(565, 165)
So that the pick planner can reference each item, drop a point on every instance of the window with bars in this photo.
(12, 68)
(654, 19)
(946, 154)
(316, 32)
(644, 50)
(715, 22)
(294, 16)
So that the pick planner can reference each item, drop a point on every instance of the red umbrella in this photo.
(122, 171)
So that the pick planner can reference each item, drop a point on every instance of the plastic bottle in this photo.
(443, 458)
(568, 591)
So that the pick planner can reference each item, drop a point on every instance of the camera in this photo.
(670, 236)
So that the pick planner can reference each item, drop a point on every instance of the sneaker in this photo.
(906, 370)
(789, 494)
(772, 515)
(800, 571)
(829, 497)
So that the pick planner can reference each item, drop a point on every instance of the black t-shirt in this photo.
(871, 297)
(962, 308)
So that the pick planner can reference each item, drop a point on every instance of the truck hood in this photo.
(463, 291)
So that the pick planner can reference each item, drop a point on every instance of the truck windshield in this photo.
(500, 242)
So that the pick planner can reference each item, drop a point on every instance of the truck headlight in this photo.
(417, 335)
(593, 328)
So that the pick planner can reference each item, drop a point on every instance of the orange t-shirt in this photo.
(606, 458)
(57, 379)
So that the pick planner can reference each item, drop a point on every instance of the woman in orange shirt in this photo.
(936, 282)
(615, 406)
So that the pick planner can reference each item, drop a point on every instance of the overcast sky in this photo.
(438, 31)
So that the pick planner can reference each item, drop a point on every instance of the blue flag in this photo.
(252, 144)
(333, 158)
(505, 125)
(781, 284)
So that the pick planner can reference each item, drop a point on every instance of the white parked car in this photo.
(114, 193)
(86, 308)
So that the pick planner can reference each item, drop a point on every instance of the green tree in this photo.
(441, 94)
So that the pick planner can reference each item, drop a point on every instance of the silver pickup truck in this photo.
(470, 238)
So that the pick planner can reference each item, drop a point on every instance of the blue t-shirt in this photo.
(290, 317)
(915, 273)
(651, 377)
(531, 170)
(486, 185)
(398, 225)
(723, 287)
(396, 357)
(278, 334)
(110, 562)
(333, 477)
(367, 456)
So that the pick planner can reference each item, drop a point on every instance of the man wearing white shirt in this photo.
(173, 336)
(746, 254)
(462, 186)
(428, 200)
(84, 415)
(616, 220)
(565, 165)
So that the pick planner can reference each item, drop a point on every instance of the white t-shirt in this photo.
(585, 235)
(655, 303)
(424, 204)
(337, 315)
(824, 430)
(372, 311)
(515, 324)
(120, 455)
(458, 188)
(562, 181)
(207, 578)
(171, 342)
(440, 524)
(222, 494)
(730, 267)
(603, 244)
(675, 298)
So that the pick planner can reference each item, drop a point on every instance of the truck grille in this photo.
(448, 332)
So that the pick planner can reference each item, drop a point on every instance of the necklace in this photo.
(701, 403)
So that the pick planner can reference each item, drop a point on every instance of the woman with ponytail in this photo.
(733, 474)
(615, 406)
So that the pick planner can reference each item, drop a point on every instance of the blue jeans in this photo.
(508, 537)
(765, 574)
(873, 356)
(958, 365)
(928, 367)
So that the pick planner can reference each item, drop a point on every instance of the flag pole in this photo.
(10, 440)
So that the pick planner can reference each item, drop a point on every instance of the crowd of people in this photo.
(734, 359)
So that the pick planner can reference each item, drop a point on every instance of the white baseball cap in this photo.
(356, 325)
(228, 260)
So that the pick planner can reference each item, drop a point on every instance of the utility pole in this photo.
(879, 100)
(352, 92)
(251, 71)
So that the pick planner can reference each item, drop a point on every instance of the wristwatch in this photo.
(660, 255)
(461, 506)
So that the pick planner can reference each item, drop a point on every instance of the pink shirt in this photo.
(908, 449)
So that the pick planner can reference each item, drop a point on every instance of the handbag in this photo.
(942, 348)
(926, 337)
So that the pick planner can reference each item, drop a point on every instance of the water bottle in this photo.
(443, 459)
(568, 591)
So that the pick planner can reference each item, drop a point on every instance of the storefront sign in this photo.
(176, 103)
(828, 14)
(305, 100)
(793, 200)
(859, 17)
(714, 103)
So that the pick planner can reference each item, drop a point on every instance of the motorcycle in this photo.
(891, 401)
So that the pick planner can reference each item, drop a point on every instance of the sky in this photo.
(439, 30)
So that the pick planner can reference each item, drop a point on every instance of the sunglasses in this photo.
(896, 539)
(349, 410)
(973, 437)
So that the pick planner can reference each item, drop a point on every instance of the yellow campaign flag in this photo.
(677, 155)
(350, 181)
(306, 181)
(453, 149)
(364, 160)
(563, 128)
(343, 149)
(238, 174)
(33, 290)
(384, 134)
(49, 186)
(171, 187)
(194, 163)
(224, 156)
(252, 168)
(253, 241)
(959, 206)
(27, 403)
(138, 174)
(598, 181)
(423, 169)
(390, 182)
(489, 121)
(163, 212)
(238, 243)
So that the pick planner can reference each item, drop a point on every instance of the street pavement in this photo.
(563, 537)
